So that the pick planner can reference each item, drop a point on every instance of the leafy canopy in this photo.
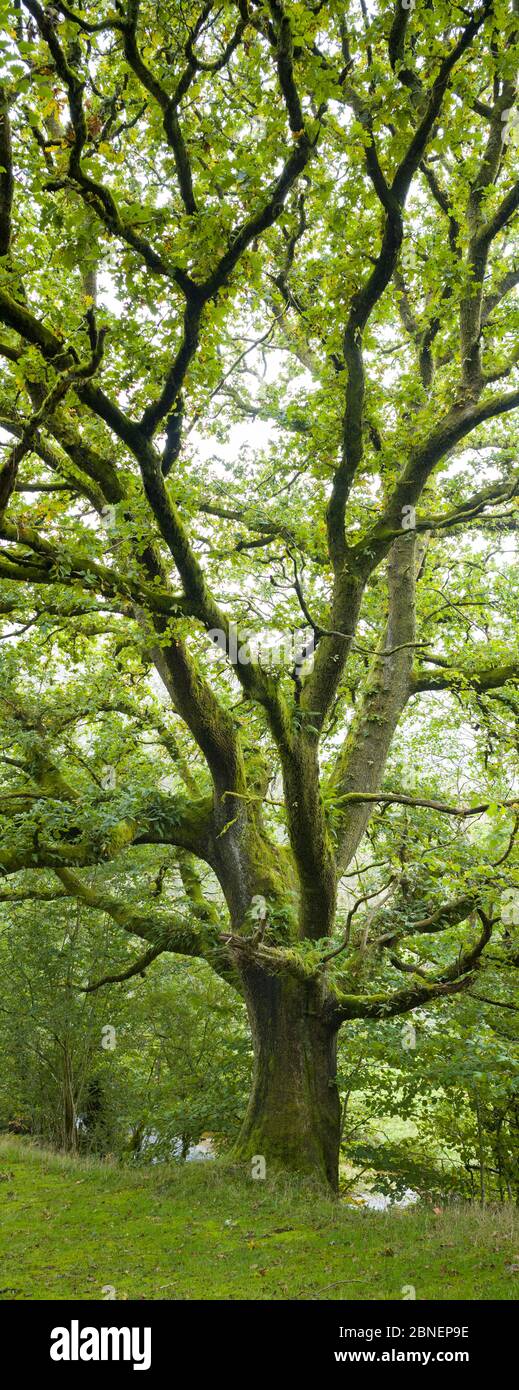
(258, 266)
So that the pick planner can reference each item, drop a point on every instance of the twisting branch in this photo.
(9, 471)
(451, 980)
(138, 968)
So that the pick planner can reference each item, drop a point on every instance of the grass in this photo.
(70, 1228)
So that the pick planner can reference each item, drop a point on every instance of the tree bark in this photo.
(69, 1106)
(293, 1115)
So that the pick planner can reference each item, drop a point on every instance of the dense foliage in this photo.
(103, 1071)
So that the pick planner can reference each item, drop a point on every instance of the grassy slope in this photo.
(69, 1228)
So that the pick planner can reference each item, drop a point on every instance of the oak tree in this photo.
(258, 264)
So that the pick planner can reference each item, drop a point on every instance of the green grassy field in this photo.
(72, 1229)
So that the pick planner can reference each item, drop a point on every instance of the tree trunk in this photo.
(69, 1106)
(293, 1116)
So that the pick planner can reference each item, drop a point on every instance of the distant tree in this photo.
(51, 1031)
(101, 1069)
(189, 1081)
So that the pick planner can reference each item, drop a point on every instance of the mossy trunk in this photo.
(293, 1115)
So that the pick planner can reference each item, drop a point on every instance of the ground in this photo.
(81, 1229)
